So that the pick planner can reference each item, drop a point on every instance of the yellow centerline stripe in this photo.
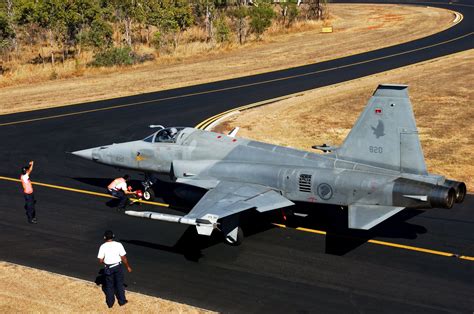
(238, 86)
(64, 188)
(395, 245)
(412, 248)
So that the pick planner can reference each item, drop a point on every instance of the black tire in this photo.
(240, 238)
(149, 195)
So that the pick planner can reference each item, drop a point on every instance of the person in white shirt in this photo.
(112, 255)
(28, 192)
(118, 188)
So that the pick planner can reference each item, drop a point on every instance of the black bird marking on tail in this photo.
(379, 130)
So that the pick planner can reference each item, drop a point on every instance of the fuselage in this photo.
(298, 175)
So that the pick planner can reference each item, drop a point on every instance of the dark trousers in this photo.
(123, 199)
(114, 285)
(30, 206)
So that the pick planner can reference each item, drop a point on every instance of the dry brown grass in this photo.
(441, 91)
(27, 290)
(357, 28)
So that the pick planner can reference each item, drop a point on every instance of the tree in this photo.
(222, 29)
(51, 15)
(171, 18)
(100, 35)
(316, 8)
(7, 35)
(289, 13)
(81, 15)
(261, 18)
(240, 15)
(127, 12)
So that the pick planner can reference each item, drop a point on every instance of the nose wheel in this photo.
(148, 194)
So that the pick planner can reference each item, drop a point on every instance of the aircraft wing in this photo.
(229, 198)
(225, 199)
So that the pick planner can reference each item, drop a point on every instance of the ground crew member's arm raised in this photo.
(30, 169)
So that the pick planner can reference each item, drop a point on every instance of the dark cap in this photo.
(24, 170)
(108, 235)
(126, 177)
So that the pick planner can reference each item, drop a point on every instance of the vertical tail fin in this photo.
(385, 135)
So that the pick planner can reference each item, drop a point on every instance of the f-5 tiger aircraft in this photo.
(378, 170)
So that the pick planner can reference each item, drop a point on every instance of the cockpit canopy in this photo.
(166, 135)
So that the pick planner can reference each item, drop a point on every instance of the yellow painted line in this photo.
(412, 248)
(238, 86)
(395, 245)
(64, 188)
(204, 124)
(469, 258)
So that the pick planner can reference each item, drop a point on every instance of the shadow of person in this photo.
(114, 202)
(100, 280)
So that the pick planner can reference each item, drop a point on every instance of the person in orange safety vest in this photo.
(118, 188)
(28, 193)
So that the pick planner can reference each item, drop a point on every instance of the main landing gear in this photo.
(235, 237)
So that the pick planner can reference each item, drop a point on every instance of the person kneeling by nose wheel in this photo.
(118, 188)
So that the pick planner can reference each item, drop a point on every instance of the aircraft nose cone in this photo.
(85, 153)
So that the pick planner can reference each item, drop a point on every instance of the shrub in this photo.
(113, 56)
(100, 35)
(261, 18)
(222, 30)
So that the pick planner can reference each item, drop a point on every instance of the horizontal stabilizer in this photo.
(366, 216)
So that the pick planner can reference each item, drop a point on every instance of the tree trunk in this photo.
(128, 31)
(208, 21)
(51, 43)
(10, 14)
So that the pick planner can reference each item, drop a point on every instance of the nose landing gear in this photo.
(148, 193)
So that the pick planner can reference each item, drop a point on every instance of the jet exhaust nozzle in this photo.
(459, 189)
(442, 196)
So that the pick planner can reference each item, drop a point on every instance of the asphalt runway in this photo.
(276, 269)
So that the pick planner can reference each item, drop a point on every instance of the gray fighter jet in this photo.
(378, 171)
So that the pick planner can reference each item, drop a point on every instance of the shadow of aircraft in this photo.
(334, 221)
(192, 245)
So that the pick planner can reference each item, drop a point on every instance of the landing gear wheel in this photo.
(148, 195)
(235, 237)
